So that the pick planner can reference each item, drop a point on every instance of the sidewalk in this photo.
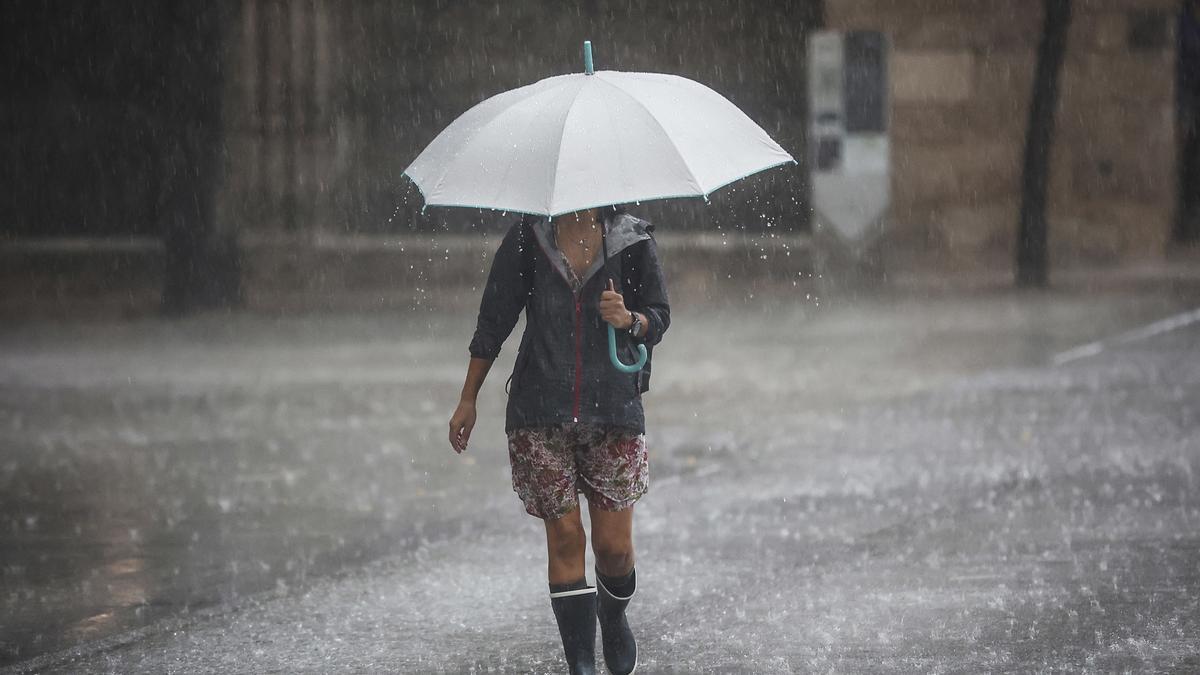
(113, 278)
(106, 278)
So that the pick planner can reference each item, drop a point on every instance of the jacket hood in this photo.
(624, 231)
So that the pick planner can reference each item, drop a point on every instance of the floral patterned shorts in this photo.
(551, 465)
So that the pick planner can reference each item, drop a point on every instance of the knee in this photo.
(567, 541)
(614, 555)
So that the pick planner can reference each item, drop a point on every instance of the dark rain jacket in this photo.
(562, 372)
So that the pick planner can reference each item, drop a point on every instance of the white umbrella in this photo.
(579, 141)
(592, 139)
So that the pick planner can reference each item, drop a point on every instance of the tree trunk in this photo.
(1032, 236)
(1187, 99)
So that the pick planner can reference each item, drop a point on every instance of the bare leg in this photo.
(574, 603)
(612, 540)
(566, 544)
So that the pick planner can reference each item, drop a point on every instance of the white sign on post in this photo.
(848, 140)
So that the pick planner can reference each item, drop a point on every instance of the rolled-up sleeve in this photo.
(504, 295)
(648, 287)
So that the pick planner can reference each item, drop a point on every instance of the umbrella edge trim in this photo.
(596, 206)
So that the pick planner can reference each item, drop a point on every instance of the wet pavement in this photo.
(891, 484)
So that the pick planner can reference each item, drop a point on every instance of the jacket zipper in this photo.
(578, 354)
(578, 333)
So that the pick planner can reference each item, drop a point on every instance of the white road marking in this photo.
(1147, 331)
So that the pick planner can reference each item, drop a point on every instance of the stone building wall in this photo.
(328, 101)
(281, 110)
(962, 77)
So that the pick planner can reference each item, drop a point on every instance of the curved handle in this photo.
(612, 354)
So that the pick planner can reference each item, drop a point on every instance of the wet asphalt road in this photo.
(892, 484)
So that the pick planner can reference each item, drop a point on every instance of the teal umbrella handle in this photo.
(612, 354)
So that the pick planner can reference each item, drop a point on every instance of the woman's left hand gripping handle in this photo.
(612, 307)
(461, 424)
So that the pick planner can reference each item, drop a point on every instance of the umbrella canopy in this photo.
(585, 140)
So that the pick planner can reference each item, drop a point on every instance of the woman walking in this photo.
(575, 423)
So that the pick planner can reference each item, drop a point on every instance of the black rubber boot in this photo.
(575, 612)
(620, 649)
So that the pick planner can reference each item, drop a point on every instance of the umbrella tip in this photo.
(587, 57)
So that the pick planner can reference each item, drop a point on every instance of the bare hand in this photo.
(612, 308)
(461, 424)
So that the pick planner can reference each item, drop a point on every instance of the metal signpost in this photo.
(848, 138)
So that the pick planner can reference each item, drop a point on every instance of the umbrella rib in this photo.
(558, 152)
(503, 182)
(475, 134)
(695, 180)
(465, 142)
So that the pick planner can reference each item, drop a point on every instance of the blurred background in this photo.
(251, 154)
(230, 335)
